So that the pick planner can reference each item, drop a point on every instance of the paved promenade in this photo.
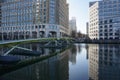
(12, 41)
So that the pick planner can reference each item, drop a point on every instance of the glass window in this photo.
(110, 21)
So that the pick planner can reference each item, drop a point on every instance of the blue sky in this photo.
(80, 10)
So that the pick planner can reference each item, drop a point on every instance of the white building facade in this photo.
(104, 20)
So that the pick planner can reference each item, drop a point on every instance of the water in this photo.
(81, 62)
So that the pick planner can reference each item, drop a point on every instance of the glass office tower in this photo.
(25, 19)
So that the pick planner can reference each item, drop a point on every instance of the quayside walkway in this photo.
(14, 41)
(45, 43)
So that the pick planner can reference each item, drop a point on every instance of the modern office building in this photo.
(104, 20)
(23, 19)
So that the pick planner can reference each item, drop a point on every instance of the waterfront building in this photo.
(104, 20)
(25, 19)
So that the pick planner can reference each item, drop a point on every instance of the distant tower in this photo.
(87, 28)
(72, 25)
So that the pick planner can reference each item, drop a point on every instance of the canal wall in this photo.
(98, 41)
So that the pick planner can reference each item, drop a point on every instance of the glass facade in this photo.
(52, 6)
(109, 19)
(105, 18)
(20, 17)
(17, 12)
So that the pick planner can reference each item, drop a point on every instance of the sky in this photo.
(80, 10)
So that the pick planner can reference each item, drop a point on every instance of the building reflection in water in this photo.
(54, 68)
(3, 49)
(33, 48)
(104, 61)
(73, 54)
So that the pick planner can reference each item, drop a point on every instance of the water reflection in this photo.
(76, 49)
(78, 46)
(104, 61)
(55, 68)
(73, 54)
(3, 49)
(100, 61)
(31, 50)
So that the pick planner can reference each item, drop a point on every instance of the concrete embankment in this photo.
(99, 41)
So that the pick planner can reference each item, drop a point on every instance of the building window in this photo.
(116, 34)
(105, 30)
(100, 30)
(101, 27)
(105, 26)
(110, 38)
(101, 34)
(32, 27)
(101, 38)
(110, 21)
(116, 37)
(101, 22)
(105, 21)
(106, 34)
(110, 30)
(35, 26)
(39, 26)
(110, 26)
(43, 26)
(111, 34)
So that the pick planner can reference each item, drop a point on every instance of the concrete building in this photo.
(23, 19)
(104, 20)
(72, 25)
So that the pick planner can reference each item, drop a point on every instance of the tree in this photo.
(79, 34)
(73, 34)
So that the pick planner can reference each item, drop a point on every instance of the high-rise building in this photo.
(22, 19)
(72, 25)
(104, 19)
(87, 28)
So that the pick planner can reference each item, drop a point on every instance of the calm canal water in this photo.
(81, 62)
